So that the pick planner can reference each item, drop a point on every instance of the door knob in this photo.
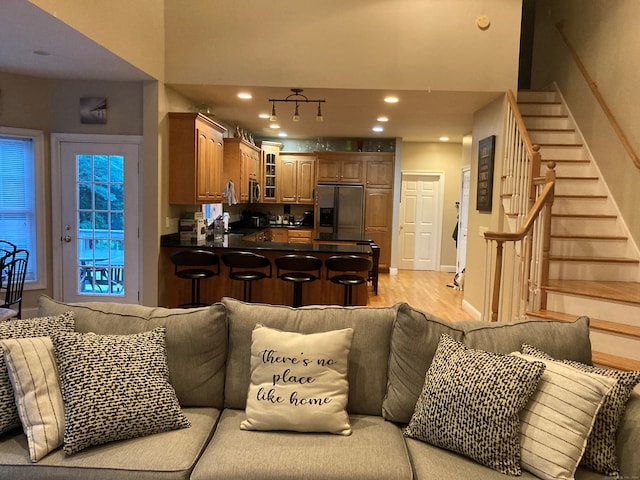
(66, 238)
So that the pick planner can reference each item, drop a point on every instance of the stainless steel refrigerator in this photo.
(341, 210)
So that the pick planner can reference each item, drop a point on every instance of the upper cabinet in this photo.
(335, 167)
(296, 178)
(195, 159)
(379, 169)
(241, 164)
(270, 169)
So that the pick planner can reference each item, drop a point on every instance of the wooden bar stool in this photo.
(298, 269)
(247, 267)
(192, 265)
(349, 267)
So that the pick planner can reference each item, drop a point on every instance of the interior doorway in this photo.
(421, 205)
(95, 218)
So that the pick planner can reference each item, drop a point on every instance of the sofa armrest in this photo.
(629, 438)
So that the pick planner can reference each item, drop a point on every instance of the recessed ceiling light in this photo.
(264, 115)
(245, 95)
(378, 128)
(383, 119)
(391, 99)
(275, 126)
(444, 139)
(282, 134)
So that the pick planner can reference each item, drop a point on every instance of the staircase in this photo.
(594, 266)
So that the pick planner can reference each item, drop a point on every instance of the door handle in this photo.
(66, 238)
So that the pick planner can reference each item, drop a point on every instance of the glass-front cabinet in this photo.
(270, 165)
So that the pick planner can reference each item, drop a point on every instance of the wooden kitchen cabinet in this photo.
(270, 154)
(296, 178)
(195, 159)
(379, 171)
(300, 235)
(338, 167)
(378, 218)
(241, 164)
(279, 235)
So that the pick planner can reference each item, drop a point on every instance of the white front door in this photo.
(98, 222)
(420, 222)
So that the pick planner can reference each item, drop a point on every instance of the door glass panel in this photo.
(100, 199)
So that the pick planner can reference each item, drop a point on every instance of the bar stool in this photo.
(298, 269)
(375, 259)
(197, 260)
(349, 266)
(247, 267)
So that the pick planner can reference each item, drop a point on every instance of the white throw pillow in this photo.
(557, 421)
(31, 365)
(299, 381)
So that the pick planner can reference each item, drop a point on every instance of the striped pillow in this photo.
(31, 365)
(557, 421)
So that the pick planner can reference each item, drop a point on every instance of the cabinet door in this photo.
(328, 170)
(218, 160)
(306, 180)
(352, 171)
(287, 180)
(378, 221)
(279, 235)
(269, 173)
(380, 173)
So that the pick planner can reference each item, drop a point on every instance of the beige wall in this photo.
(486, 122)
(133, 30)
(337, 43)
(607, 38)
(446, 158)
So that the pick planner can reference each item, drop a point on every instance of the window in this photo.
(22, 216)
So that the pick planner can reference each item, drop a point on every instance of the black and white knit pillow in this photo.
(600, 454)
(27, 328)
(470, 404)
(115, 387)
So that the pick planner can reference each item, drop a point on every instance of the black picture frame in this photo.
(486, 153)
(93, 110)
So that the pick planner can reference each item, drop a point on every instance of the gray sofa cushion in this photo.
(196, 340)
(374, 450)
(414, 341)
(368, 359)
(168, 455)
(550, 336)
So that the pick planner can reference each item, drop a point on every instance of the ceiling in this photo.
(26, 32)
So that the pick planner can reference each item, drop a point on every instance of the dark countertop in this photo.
(234, 241)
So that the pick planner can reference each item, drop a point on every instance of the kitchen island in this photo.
(174, 291)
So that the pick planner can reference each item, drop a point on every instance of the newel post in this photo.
(497, 279)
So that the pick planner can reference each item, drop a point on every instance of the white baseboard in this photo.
(471, 310)
(448, 268)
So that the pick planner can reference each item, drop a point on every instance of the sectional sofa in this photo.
(252, 391)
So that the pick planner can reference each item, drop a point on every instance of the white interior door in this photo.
(420, 222)
(463, 220)
(99, 222)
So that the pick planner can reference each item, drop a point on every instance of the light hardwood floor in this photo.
(425, 290)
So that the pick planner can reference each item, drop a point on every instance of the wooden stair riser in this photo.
(578, 305)
(582, 248)
(615, 344)
(580, 186)
(584, 226)
(563, 152)
(540, 137)
(541, 109)
(575, 168)
(594, 205)
(600, 271)
(538, 96)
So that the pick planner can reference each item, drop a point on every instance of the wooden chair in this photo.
(16, 270)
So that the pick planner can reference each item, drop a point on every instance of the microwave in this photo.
(254, 191)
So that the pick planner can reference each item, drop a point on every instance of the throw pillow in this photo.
(298, 381)
(32, 327)
(470, 404)
(559, 417)
(32, 368)
(600, 454)
(115, 387)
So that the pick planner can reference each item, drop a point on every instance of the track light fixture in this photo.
(296, 97)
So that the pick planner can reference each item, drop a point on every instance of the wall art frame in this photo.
(486, 154)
